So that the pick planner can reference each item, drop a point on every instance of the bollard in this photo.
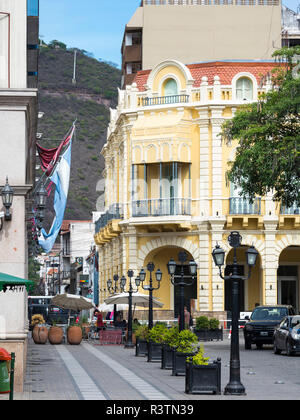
(12, 376)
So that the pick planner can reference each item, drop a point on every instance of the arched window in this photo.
(244, 89)
(170, 87)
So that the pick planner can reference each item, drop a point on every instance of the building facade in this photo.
(194, 31)
(166, 189)
(18, 122)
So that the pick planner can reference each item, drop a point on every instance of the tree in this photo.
(268, 155)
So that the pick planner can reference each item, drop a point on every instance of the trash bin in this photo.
(5, 359)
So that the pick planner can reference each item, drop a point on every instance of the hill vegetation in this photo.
(88, 100)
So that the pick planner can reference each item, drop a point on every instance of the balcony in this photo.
(290, 210)
(240, 205)
(162, 207)
(115, 212)
(165, 100)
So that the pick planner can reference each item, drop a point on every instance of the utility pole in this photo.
(74, 70)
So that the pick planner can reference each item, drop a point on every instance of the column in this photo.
(217, 163)
(217, 285)
(270, 262)
(203, 207)
(204, 265)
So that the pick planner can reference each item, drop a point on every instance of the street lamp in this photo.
(180, 280)
(114, 289)
(150, 288)
(7, 199)
(234, 387)
(130, 291)
(41, 198)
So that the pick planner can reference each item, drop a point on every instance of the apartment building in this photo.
(18, 122)
(194, 31)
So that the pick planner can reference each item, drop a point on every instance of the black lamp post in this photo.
(41, 198)
(150, 288)
(180, 280)
(7, 199)
(130, 291)
(234, 387)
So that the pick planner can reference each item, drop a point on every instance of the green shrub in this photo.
(202, 323)
(156, 334)
(199, 359)
(214, 324)
(186, 342)
(171, 336)
(142, 332)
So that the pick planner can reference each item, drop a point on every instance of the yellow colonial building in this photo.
(166, 189)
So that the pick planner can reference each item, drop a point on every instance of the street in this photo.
(93, 372)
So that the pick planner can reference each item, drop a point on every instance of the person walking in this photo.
(99, 322)
(187, 318)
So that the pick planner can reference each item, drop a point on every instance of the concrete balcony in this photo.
(162, 207)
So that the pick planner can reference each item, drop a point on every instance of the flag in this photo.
(49, 157)
(61, 179)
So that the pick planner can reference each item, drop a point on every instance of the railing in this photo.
(115, 212)
(165, 100)
(239, 205)
(162, 207)
(290, 210)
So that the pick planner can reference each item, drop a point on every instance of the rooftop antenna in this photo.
(74, 71)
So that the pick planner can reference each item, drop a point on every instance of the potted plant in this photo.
(74, 334)
(141, 346)
(215, 332)
(186, 346)
(40, 331)
(201, 328)
(56, 334)
(170, 340)
(155, 341)
(202, 376)
(85, 326)
(208, 329)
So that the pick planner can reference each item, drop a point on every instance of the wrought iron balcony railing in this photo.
(162, 207)
(240, 205)
(165, 100)
(115, 212)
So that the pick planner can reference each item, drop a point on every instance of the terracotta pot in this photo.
(74, 335)
(40, 334)
(56, 335)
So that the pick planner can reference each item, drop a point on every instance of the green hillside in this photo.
(88, 101)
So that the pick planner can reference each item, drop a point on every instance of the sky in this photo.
(96, 26)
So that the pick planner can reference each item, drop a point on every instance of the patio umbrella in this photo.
(72, 302)
(138, 299)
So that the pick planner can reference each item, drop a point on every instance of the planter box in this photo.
(141, 347)
(179, 361)
(209, 335)
(203, 379)
(154, 351)
(166, 357)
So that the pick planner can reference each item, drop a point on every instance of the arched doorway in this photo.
(168, 293)
(250, 291)
(288, 277)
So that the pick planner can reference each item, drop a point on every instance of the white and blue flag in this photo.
(61, 179)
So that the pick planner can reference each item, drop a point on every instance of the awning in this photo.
(13, 283)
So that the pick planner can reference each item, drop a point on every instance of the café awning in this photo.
(16, 284)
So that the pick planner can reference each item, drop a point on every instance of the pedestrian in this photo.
(187, 318)
(99, 322)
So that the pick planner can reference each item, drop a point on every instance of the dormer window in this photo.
(244, 89)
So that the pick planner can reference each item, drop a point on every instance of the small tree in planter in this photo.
(187, 345)
(201, 375)
(141, 346)
(155, 341)
(202, 327)
(215, 332)
(170, 342)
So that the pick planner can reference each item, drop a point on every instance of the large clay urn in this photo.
(56, 335)
(74, 335)
(40, 334)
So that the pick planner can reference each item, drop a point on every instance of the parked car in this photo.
(260, 328)
(287, 336)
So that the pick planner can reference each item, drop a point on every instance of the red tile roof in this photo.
(225, 70)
